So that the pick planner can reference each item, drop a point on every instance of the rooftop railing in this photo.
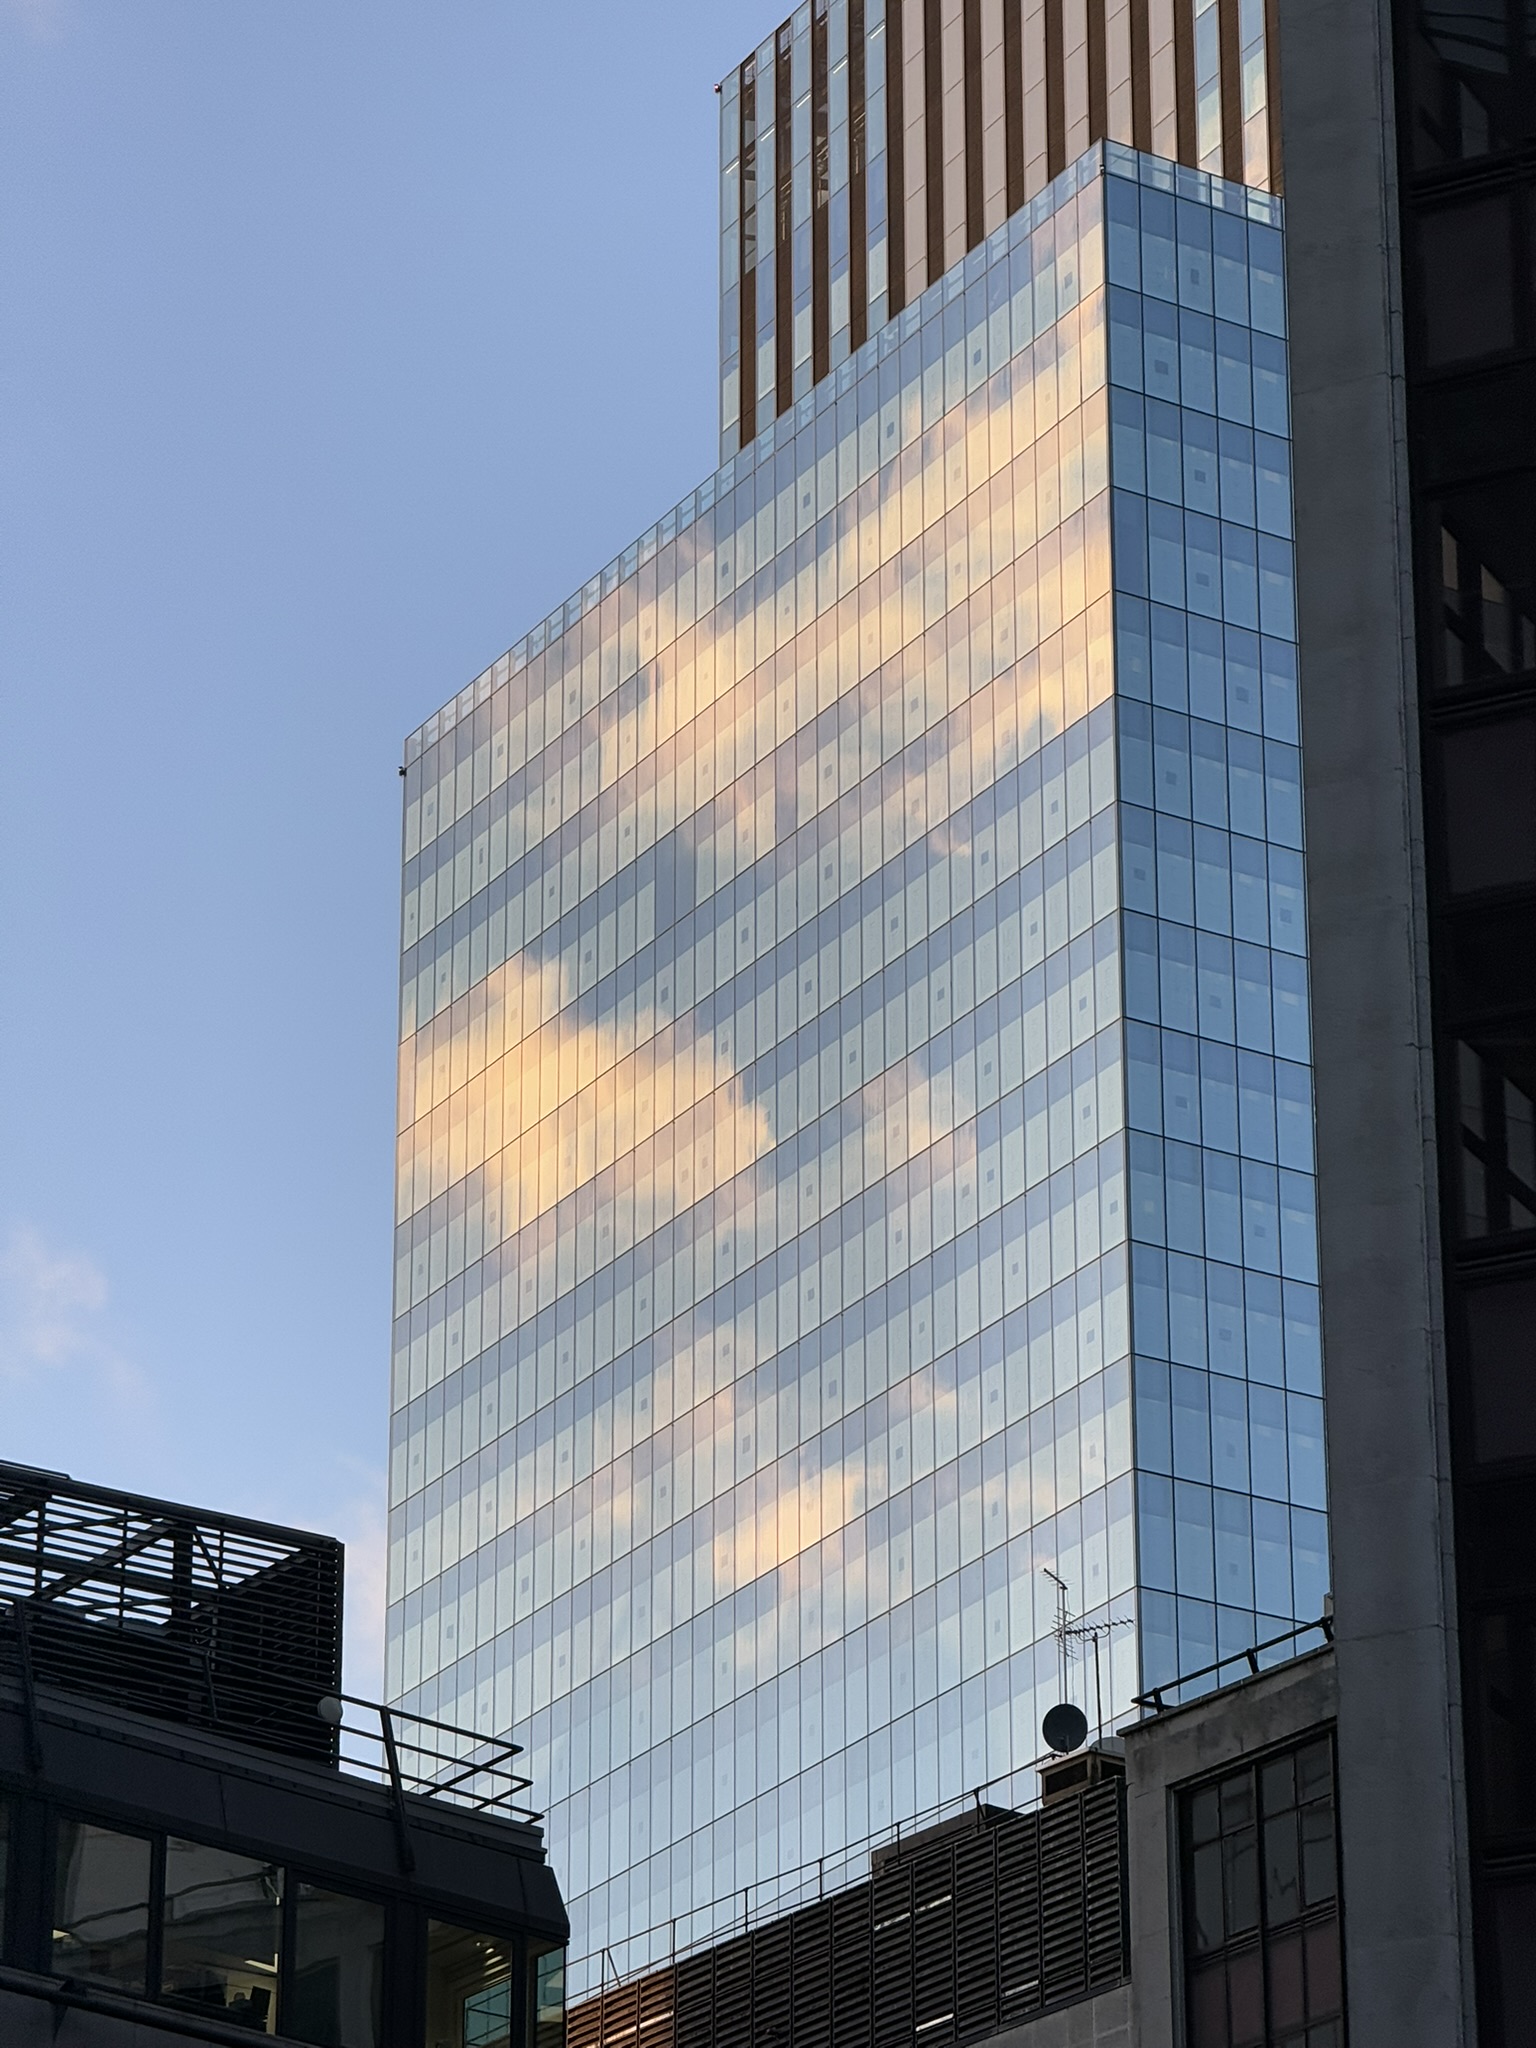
(1256, 1659)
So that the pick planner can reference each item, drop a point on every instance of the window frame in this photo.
(1185, 1957)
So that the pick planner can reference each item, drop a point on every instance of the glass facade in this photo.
(1229, 1416)
(855, 1112)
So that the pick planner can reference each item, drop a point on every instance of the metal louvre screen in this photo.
(189, 1616)
(947, 1942)
(810, 1986)
(853, 1978)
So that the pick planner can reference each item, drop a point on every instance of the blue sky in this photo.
(339, 339)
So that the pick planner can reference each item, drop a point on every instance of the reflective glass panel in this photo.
(549, 2000)
(337, 1994)
(219, 1945)
(101, 1906)
(469, 1989)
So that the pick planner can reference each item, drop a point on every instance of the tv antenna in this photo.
(1072, 1636)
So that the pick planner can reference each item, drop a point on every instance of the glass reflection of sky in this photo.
(854, 1094)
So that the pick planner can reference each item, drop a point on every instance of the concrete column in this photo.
(1406, 1917)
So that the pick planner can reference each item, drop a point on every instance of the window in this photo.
(549, 2000)
(220, 1935)
(101, 1906)
(1501, 1709)
(337, 1999)
(235, 1937)
(1468, 300)
(1479, 581)
(469, 1989)
(1514, 1957)
(1500, 1316)
(1490, 804)
(1260, 1905)
(1472, 79)
(1496, 1087)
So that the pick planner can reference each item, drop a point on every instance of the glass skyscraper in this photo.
(855, 1151)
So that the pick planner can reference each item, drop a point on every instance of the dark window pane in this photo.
(1501, 1361)
(1241, 1853)
(1514, 1939)
(101, 1906)
(1314, 1771)
(1506, 1689)
(1496, 1089)
(1287, 2000)
(1490, 805)
(1277, 1784)
(223, 1918)
(1317, 1870)
(1466, 258)
(1325, 1995)
(1245, 1992)
(1471, 95)
(1282, 1888)
(469, 1989)
(1237, 1801)
(338, 1970)
(1205, 1902)
(1480, 580)
(1208, 2007)
(1204, 1815)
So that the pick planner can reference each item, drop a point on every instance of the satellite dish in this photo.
(1065, 1728)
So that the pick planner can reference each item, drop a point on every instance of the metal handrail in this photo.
(429, 1759)
(1153, 1701)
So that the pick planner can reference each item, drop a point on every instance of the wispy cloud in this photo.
(53, 1319)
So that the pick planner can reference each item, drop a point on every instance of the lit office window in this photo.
(469, 1989)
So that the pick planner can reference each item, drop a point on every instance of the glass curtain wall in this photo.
(781, 1295)
(1229, 1416)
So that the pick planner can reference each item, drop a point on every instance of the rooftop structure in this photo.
(202, 1836)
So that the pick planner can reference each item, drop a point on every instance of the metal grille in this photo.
(976, 1999)
(851, 1919)
(947, 1942)
(189, 1616)
(810, 1979)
